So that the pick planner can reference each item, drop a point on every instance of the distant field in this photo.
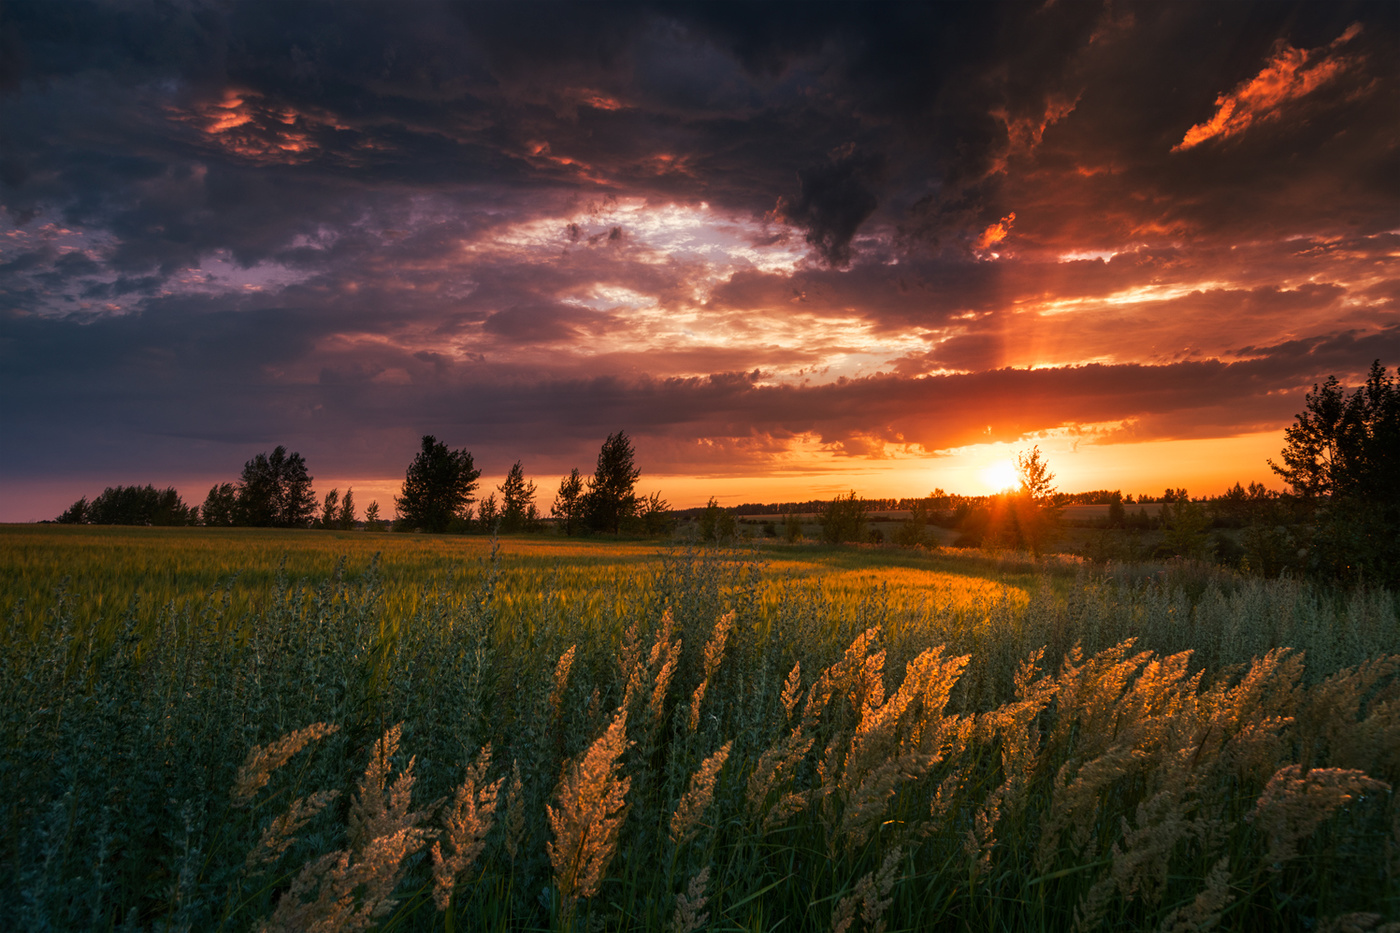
(239, 729)
(104, 569)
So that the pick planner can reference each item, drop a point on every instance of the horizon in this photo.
(790, 250)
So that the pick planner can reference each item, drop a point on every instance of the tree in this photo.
(75, 514)
(372, 516)
(275, 491)
(330, 510)
(610, 499)
(656, 515)
(568, 502)
(345, 518)
(1187, 525)
(1343, 445)
(1342, 460)
(911, 532)
(1037, 514)
(792, 527)
(437, 487)
(488, 514)
(1026, 517)
(517, 502)
(220, 509)
(717, 524)
(843, 519)
(132, 505)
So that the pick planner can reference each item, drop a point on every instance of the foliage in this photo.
(330, 510)
(1027, 517)
(131, 505)
(437, 487)
(930, 748)
(345, 518)
(75, 514)
(717, 525)
(568, 503)
(518, 502)
(843, 519)
(274, 491)
(792, 528)
(610, 499)
(912, 532)
(655, 515)
(1343, 459)
(220, 509)
(488, 515)
(372, 521)
(1187, 527)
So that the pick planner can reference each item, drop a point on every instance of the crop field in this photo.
(257, 730)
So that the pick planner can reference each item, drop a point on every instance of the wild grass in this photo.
(569, 736)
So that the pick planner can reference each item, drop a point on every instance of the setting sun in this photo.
(999, 475)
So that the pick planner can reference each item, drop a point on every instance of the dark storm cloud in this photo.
(835, 200)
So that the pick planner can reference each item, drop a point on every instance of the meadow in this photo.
(242, 729)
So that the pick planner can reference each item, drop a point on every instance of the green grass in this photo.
(141, 665)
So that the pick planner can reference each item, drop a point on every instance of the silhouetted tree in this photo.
(75, 514)
(220, 509)
(1186, 525)
(131, 505)
(275, 491)
(568, 502)
(1343, 460)
(1026, 517)
(1117, 514)
(610, 499)
(912, 531)
(716, 524)
(656, 515)
(488, 514)
(843, 519)
(372, 522)
(345, 518)
(437, 487)
(330, 509)
(517, 502)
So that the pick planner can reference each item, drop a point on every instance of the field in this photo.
(239, 729)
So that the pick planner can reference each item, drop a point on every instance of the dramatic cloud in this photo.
(1290, 74)
(774, 239)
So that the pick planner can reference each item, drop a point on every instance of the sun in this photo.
(1000, 475)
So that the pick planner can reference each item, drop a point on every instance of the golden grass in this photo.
(643, 737)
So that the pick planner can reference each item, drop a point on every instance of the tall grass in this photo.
(699, 740)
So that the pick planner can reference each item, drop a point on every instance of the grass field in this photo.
(240, 729)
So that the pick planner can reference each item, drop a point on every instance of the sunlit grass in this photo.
(796, 736)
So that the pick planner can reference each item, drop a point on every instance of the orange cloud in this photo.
(248, 124)
(996, 232)
(1025, 133)
(1289, 75)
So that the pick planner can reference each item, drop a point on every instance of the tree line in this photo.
(439, 495)
(1339, 520)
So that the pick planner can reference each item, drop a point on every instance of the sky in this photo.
(790, 249)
